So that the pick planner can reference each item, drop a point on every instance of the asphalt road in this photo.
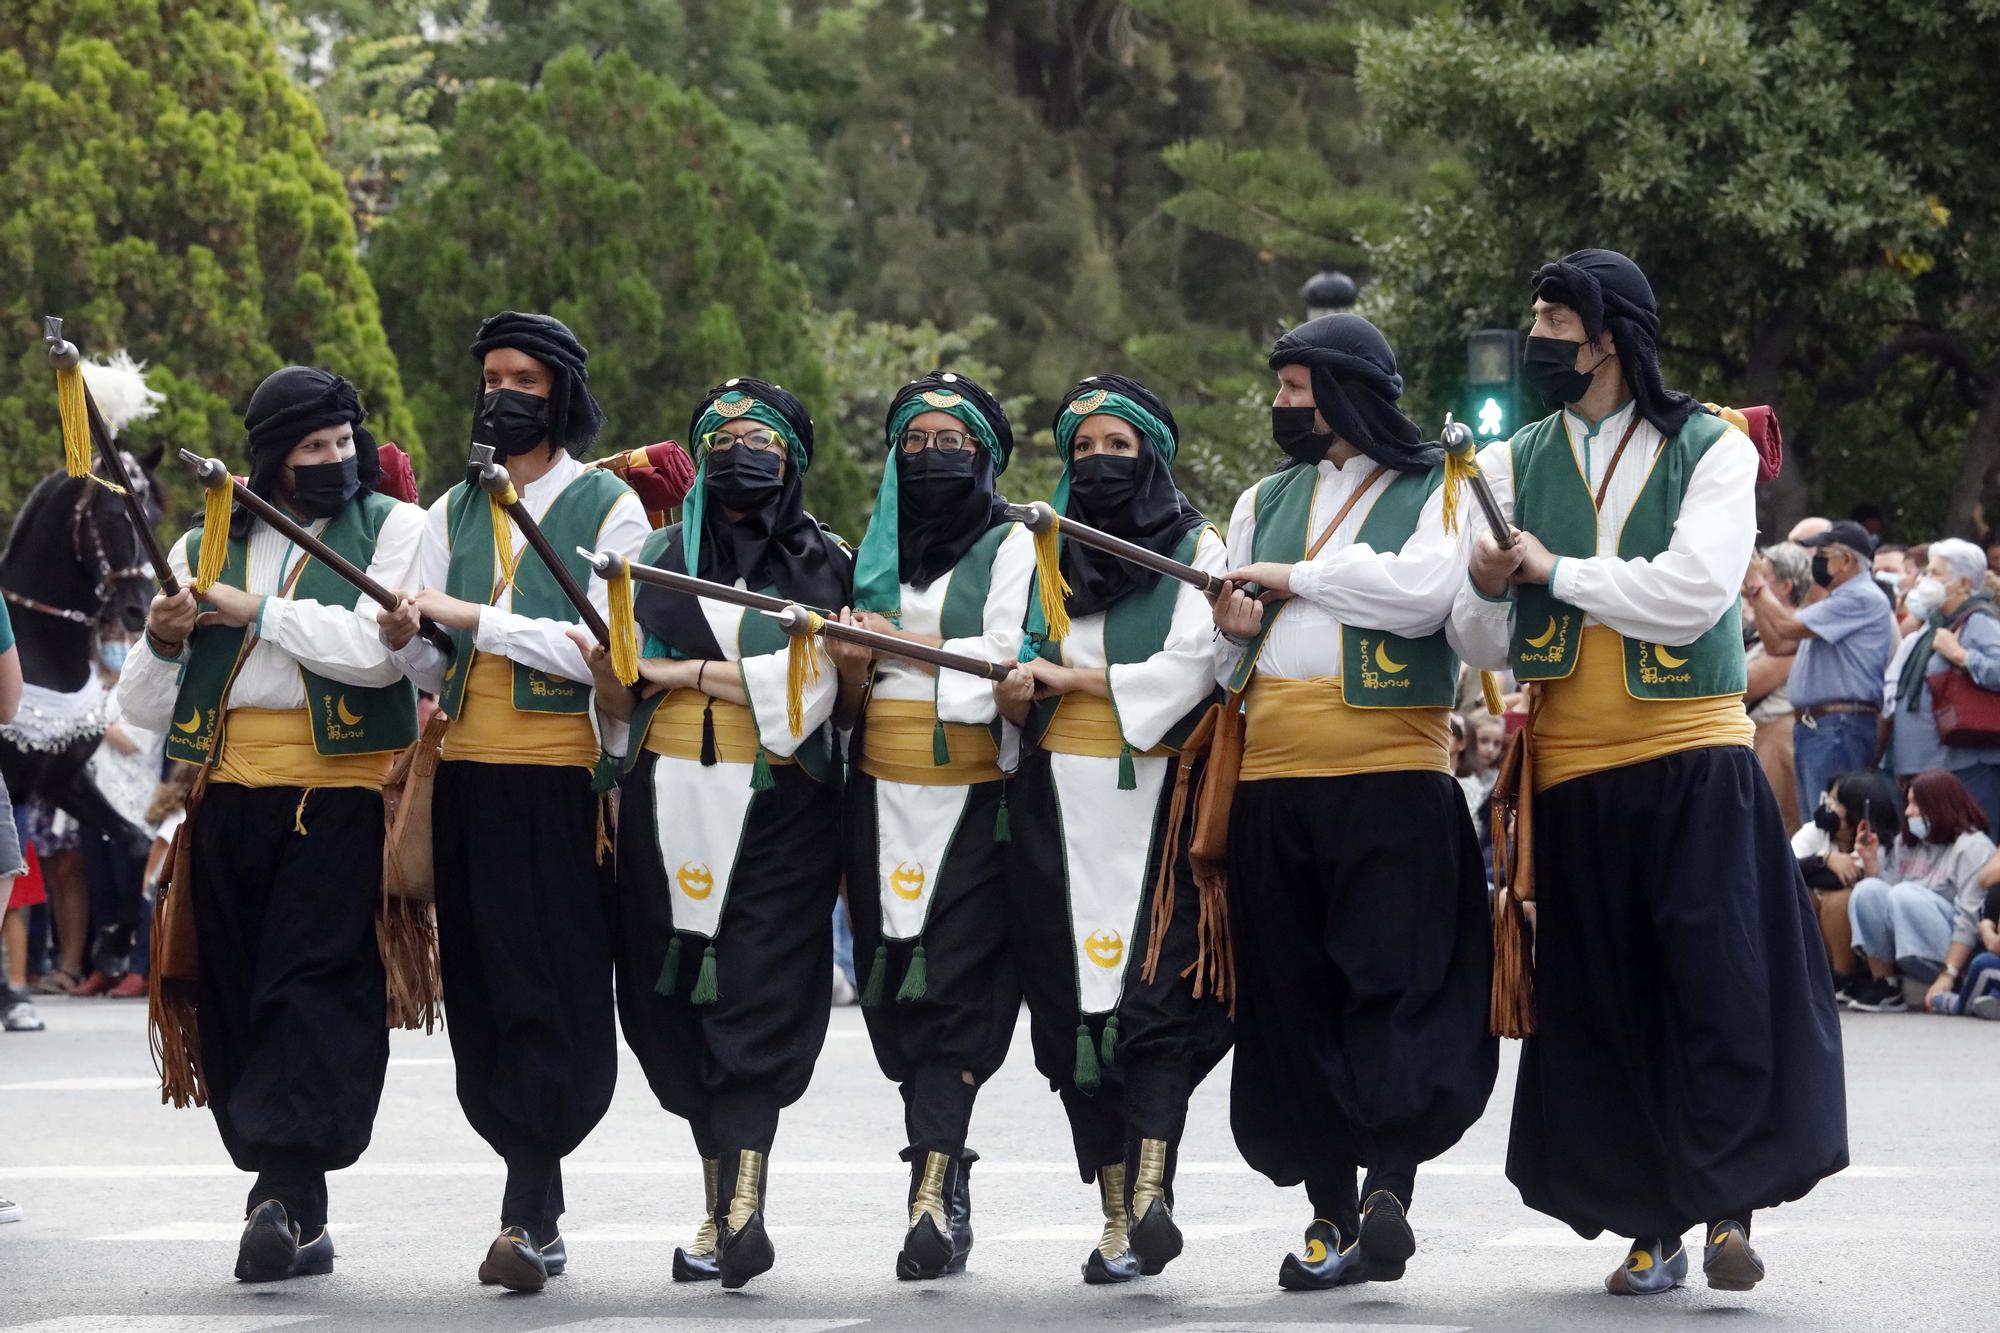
(132, 1211)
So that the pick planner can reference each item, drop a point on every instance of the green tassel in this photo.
(1110, 1039)
(704, 991)
(604, 778)
(1003, 825)
(1086, 1059)
(917, 979)
(940, 749)
(760, 773)
(1128, 776)
(670, 971)
(871, 994)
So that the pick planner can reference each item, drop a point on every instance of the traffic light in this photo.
(1492, 376)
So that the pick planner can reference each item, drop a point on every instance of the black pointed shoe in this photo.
(315, 1257)
(959, 1205)
(695, 1262)
(1111, 1259)
(1728, 1261)
(513, 1262)
(1386, 1240)
(743, 1248)
(928, 1250)
(270, 1243)
(1155, 1239)
(555, 1257)
(1648, 1270)
(1327, 1262)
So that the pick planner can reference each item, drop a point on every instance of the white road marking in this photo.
(634, 1324)
(1235, 1326)
(107, 1083)
(1086, 1234)
(162, 1323)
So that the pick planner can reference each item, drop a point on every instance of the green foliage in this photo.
(161, 187)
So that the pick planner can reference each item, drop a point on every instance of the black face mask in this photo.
(1549, 367)
(1104, 484)
(933, 480)
(1826, 819)
(1822, 575)
(745, 479)
(321, 490)
(512, 422)
(1294, 430)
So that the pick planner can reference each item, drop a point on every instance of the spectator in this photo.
(1473, 779)
(1916, 560)
(1786, 569)
(1978, 993)
(1916, 909)
(1843, 645)
(1993, 554)
(1869, 515)
(1864, 799)
(1804, 528)
(1959, 629)
(25, 893)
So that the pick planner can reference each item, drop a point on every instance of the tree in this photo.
(164, 191)
(623, 205)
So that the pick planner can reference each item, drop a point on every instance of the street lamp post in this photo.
(1328, 291)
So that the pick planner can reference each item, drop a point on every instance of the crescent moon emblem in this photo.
(347, 718)
(192, 725)
(908, 882)
(1383, 660)
(1315, 1251)
(1104, 947)
(1667, 659)
(695, 880)
(1542, 640)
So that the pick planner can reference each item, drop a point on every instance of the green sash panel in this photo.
(1553, 501)
(346, 719)
(575, 519)
(1377, 669)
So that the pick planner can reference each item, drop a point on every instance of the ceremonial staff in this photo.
(213, 472)
(1039, 517)
(1458, 440)
(490, 477)
(73, 395)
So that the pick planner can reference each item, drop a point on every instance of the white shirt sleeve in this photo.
(967, 698)
(764, 679)
(1151, 696)
(1677, 596)
(1407, 592)
(149, 685)
(1242, 531)
(422, 661)
(1481, 628)
(342, 642)
(543, 644)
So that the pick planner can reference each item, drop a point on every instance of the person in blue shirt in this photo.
(1844, 642)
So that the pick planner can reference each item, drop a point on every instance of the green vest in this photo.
(346, 719)
(1553, 501)
(1135, 628)
(1377, 669)
(575, 519)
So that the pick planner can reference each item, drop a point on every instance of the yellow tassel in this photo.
(1458, 468)
(624, 628)
(1489, 685)
(503, 536)
(1049, 579)
(71, 406)
(214, 535)
(801, 665)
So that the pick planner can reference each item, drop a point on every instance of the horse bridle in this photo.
(107, 575)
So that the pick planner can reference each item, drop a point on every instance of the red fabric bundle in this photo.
(399, 479)
(664, 481)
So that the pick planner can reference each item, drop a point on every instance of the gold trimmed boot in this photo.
(743, 1250)
(927, 1247)
(1112, 1260)
(1156, 1241)
(695, 1262)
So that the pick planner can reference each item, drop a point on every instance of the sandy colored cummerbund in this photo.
(675, 731)
(1589, 722)
(897, 746)
(273, 747)
(490, 730)
(1305, 729)
(1088, 725)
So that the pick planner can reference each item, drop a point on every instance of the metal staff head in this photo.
(62, 352)
(210, 472)
(605, 564)
(794, 620)
(1035, 516)
(483, 472)
(1457, 437)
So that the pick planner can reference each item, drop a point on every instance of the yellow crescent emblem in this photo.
(1667, 659)
(695, 880)
(908, 882)
(192, 725)
(1104, 947)
(1383, 660)
(347, 718)
(1086, 403)
(1542, 640)
(1315, 1251)
(1639, 1261)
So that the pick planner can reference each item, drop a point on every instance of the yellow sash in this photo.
(1087, 725)
(273, 747)
(897, 746)
(490, 730)
(676, 729)
(1589, 722)
(1305, 729)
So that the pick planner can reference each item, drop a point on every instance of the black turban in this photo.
(926, 544)
(1355, 386)
(288, 406)
(1608, 291)
(574, 416)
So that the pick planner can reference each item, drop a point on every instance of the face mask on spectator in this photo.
(1918, 827)
(1822, 574)
(1926, 597)
(1826, 819)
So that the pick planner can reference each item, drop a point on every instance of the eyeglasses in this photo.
(944, 441)
(763, 441)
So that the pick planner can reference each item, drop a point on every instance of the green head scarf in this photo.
(717, 412)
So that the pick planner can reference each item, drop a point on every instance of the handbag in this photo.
(1965, 714)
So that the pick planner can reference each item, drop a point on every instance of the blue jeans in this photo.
(1906, 924)
(1826, 747)
(1982, 977)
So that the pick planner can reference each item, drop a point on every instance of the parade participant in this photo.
(518, 837)
(275, 679)
(728, 840)
(1357, 891)
(1105, 913)
(926, 877)
(1685, 1063)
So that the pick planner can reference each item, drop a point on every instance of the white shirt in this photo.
(338, 642)
(1670, 599)
(962, 697)
(1407, 592)
(542, 644)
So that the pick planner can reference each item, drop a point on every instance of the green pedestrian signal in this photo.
(1492, 419)
(1492, 378)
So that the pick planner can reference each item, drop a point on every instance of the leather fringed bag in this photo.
(1512, 1011)
(406, 923)
(1210, 762)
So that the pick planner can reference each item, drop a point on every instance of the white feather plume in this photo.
(118, 383)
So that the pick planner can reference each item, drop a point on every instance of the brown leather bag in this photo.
(406, 801)
(1223, 724)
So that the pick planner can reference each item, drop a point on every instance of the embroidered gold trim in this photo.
(941, 398)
